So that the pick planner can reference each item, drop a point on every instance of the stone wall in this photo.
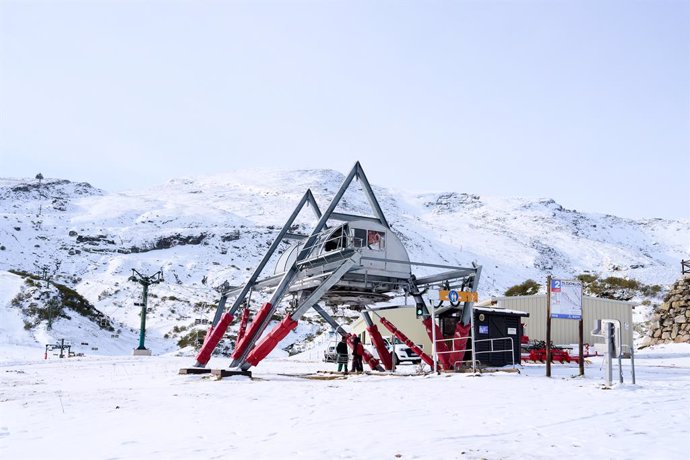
(671, 320)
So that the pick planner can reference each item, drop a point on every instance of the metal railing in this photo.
(460, 362)
(685, 266)
(491, 341)
(463, 350)
(454, 350)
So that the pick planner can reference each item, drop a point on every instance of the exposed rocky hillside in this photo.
(204, 231)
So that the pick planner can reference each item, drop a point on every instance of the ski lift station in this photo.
(358, 262)
(350, 261)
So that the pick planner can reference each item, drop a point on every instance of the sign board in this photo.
(566, 299)
(458, 296)
(483, 329)
(512, 331)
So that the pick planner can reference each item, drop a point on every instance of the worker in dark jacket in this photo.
(357, 353)
(341, 355)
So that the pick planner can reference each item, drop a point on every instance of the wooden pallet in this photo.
(220, 373)
(194, 370)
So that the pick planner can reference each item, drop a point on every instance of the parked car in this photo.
(403, 353)
(329, 354)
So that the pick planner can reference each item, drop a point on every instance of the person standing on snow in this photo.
(341, 355)
(357, 353)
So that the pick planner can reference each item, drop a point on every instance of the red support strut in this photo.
(441, 346)
(371, 361)
(212, 338)
(448, 356)
(241, 345)
(243, 323)
(459, 342)
(269, 342)
(366, 356)
(403, 338)
(380, 345)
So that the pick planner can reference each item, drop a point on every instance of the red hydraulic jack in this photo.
(269, 342)
(213, 336)
(242, 345)
(459, 343)
(449, 356)
(380, 345)
(243, 323)
(403, 338)
(441, 347)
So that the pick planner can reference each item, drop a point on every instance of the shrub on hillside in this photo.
(529, 287)
(194, 339)
(616, 288)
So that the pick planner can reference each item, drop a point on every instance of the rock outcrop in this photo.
(671, 320)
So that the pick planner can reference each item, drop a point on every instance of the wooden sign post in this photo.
(548, 326)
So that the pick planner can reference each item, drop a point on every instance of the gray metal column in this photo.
(367, 318)
(467, 309)
(338, 328)
(220, 309)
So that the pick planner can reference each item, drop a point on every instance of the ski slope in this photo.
(124, 407)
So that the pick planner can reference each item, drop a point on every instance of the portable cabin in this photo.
(498, 333)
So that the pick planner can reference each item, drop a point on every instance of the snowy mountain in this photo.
(203, 231)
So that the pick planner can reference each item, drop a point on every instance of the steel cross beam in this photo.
(329, 319)
(448, 275)
(316, 295)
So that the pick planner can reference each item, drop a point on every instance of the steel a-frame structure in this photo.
(343, 266)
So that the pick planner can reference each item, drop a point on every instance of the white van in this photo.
(403, 353)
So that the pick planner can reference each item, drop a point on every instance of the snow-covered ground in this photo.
(123, 407)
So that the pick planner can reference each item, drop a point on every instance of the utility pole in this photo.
(39, 178)
(47, 276)
(145, 281)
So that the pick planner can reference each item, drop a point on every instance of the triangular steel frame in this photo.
(290, 274)
(357, 172)
(251, 341)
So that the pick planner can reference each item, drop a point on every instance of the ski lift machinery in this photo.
(348, 260)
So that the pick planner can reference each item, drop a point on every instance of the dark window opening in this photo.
(359, 238)
(336, 240)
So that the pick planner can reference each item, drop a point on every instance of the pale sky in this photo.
(585, 102)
